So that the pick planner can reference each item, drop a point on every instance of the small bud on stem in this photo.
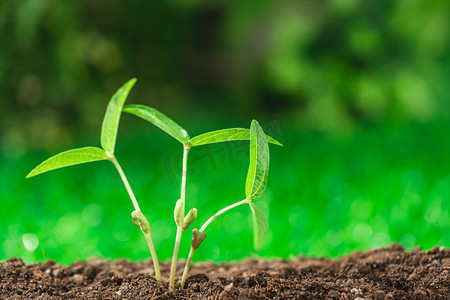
(179, 212)
(140, 220)
(190, 218)
(197, 238)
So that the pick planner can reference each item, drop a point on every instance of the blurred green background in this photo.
(358, 92)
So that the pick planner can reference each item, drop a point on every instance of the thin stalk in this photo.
(136, 207)
(183, 176)
(154, 257)
(173, 267)
(202, 229)
(176, 248)
(187, 266)
(213, 217)
(126, 183)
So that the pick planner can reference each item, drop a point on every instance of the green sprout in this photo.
(110, 127)
(255, 184)
(163, 122)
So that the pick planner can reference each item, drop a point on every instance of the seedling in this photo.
(110, 127)
(172, 128)
(255, 184)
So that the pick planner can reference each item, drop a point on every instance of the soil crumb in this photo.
(389, 273)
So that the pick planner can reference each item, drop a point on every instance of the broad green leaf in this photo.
(69, 158)
(259, 226)
(112, 116)
(160, 120)
(224, 135)
(258, 170)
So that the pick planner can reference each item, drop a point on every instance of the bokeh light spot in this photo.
(121, 231)
(165, 230)
(433, 214)
(92, 215)
(214, 252)
(362, 233)
(379, 240)
(66, 228)
(334, 238)
(408, 240)
(30, 241)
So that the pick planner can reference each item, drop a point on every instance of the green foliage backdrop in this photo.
(357, 91)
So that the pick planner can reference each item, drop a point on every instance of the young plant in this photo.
(254, 188)
(88, 154)
(256, 179)
(168, 125)
(176, 131)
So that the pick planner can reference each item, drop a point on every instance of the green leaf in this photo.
(69, 158)
(160, 120)
(258, 170)
(259, 226)
(112, 116)
(224, 135)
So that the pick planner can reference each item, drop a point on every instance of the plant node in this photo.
(190, 218)
(140, 220)
(178, 213)
(197, 238)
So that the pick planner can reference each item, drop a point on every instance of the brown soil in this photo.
(389, 273)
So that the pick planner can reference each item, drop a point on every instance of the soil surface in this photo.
(389, 273)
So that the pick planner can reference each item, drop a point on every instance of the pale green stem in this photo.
(136, 207)
(183, 176)
(173, 267)
(125, 182)
(176, 248)
(154, 257)
(187, 266)
(202, 229)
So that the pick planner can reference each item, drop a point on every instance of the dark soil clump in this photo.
(389, 273)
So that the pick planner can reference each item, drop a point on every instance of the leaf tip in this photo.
(132, 81)
(254, 122)
(33, 173)
(186, 136)
(275, 142)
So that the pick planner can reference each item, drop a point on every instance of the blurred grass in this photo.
(362, 88)
(325, 197)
